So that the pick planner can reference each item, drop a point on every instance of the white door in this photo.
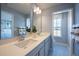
(56, 26)
(61, 26)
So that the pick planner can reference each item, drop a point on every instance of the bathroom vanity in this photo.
(75, 40)
(34, 45)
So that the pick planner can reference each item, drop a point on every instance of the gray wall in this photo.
(64, 27)
(37, 22)
(76, 13)
(47, 17)
(19, 18)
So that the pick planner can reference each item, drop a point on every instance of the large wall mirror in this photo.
(15, 18)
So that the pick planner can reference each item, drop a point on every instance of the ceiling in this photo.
(47, 5)
(25, 8)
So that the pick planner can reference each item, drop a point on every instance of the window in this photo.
(57, 24)
(6, 24)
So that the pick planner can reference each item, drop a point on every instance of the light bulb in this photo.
(35, 8)
(39, 11)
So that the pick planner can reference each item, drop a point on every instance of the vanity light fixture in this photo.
(37, 10)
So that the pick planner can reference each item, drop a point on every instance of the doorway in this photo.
(62, 26)
(61, 32)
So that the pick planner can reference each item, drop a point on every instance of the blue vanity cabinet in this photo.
(76, 48)
(37, 51)
(34, 52)
(47, 46)
(41, 52)
(42, 49)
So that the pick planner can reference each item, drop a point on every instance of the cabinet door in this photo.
(36, 54)
(41, 52)
(77, 48)
(46, 48)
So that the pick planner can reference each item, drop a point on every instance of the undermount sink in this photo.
(25, 43)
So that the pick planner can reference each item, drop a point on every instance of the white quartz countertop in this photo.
(11, 49)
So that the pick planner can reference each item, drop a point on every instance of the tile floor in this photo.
(59, 50)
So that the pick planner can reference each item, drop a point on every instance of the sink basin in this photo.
(25, 43)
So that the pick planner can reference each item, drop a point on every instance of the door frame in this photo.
(70, 23)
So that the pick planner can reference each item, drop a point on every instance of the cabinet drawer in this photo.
(41, 52)
(47, 49)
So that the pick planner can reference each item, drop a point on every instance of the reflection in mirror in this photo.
(28, 22)
(6, 24)
(15, 19)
